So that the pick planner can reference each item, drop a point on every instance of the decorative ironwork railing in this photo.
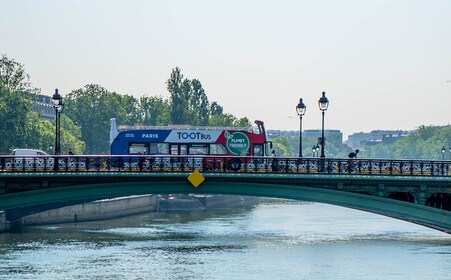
(146, 163)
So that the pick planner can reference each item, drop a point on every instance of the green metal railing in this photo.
(224, 164)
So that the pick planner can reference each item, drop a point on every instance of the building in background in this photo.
(329, 134)
(44, 107)
(360, 140)
(334, 135)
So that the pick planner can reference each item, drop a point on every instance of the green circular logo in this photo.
(237, 143)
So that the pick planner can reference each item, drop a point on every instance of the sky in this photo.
(383, 64)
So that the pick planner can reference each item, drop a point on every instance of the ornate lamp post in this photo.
(315, 150)
(58, 104)
(443, 153)
(323, 104)
(300, 109)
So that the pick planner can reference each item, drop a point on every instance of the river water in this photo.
(274, 240)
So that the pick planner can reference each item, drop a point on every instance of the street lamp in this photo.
(300, 109)
(57, 101)
(323, 103)
(450, 153)
(315, 150)
(443, 153)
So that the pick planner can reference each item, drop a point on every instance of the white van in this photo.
(38, 160)
(29, 159)
(28, 152)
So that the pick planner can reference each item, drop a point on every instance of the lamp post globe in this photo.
(323, 104)
(58, 104)
(300, 110)
(443, 152)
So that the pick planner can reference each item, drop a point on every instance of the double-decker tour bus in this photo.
(228, 147)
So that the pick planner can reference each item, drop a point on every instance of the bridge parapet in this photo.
(222, 164)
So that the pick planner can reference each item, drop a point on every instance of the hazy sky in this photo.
(383, 63)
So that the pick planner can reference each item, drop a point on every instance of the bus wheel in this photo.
(234, 165)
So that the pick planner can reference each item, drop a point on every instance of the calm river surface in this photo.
(274, 240)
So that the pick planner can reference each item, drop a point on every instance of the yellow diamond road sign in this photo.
(196, 178)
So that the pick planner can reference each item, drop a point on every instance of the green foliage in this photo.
(13, 76)
(188, 103)
(20, 126)
(17, 119)
(289, 147)
(243, 122)
(179, 89)
(85, 122)
(216, 109)
(283, 146)
(154, 110)
(425, 143)
(199, 103)
(92, 107)
(222, 120)
(15, 114)
(70, 136)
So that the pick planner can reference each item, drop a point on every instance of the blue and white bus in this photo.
(187, 140)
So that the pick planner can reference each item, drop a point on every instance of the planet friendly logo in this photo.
(237, 143)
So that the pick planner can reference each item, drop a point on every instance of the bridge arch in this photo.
(415, 213)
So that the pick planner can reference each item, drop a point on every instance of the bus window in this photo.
(174, 149)
(258, 150)
(217, 149)
(198, 149)
(137, 149)
(179, 149)
(183, 149)
(268, 146)
(158, 148)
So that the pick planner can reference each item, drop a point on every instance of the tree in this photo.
(199, 104)
(243, 122)
(70, 136)
(15, 112)
(425, 143)
(188, 102)
(20, 126)
(223, 120)
(179, 90)
(16, 101)
(216, 109)
(13, 76)
(14, 106)
(91, 108)
(131, 107)
(154, 110)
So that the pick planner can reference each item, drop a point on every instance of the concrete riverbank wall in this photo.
(3, 221)
(96, 210)
(126, 206)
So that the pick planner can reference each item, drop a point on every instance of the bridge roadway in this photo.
(414, 191)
